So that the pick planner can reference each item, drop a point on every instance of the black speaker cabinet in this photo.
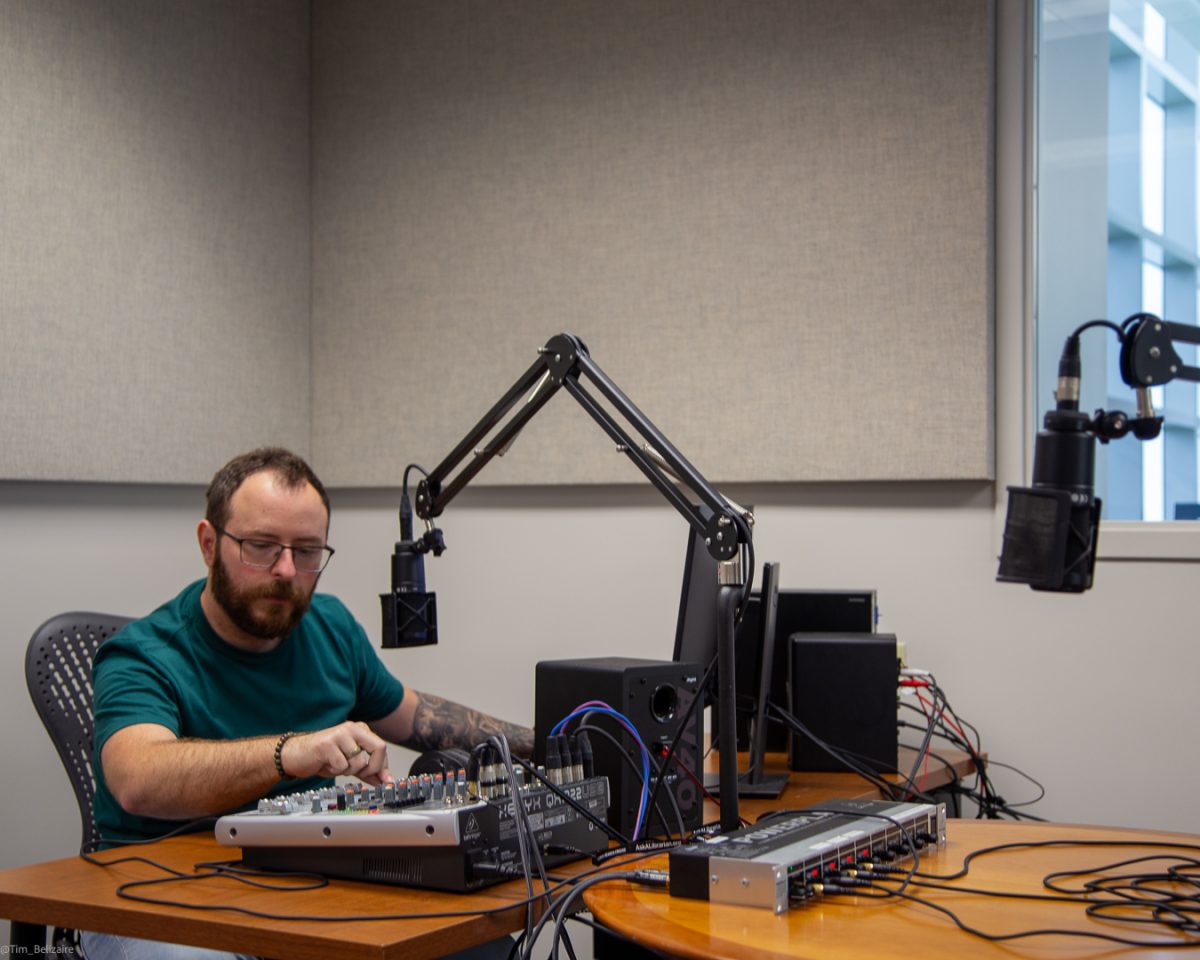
(798, 611)
(843, 688)
(653, 695)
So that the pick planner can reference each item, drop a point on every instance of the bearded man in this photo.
(249, 683)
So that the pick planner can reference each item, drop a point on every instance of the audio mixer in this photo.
(439, 832)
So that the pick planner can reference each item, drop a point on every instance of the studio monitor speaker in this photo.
(654, 695)
(843, 688)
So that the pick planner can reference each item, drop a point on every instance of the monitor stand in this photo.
(764, 785)
(756, 782)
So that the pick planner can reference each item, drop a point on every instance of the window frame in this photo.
(1118, 540)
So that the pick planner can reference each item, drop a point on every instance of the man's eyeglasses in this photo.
(266, 553)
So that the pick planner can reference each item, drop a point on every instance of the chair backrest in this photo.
(58, 671)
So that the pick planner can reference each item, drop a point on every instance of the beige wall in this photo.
(1063, 687)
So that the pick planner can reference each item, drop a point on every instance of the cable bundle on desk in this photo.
(531, 856)
(853, 762)
(1167, 898)
(585, 714)
(941, 721)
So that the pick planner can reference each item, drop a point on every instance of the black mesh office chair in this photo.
(58, 671)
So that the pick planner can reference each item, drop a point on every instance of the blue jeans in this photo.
(106, 946)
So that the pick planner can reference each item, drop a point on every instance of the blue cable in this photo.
(599, 706)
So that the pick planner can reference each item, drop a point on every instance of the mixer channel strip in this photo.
(444, 833)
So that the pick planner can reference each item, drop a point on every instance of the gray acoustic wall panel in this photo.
(770, 221)
(154, 235)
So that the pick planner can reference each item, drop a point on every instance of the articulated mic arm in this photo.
(1148, 356)
(562, 363)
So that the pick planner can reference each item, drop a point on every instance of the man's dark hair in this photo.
(288, 467)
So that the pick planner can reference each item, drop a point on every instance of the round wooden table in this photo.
(857, 927)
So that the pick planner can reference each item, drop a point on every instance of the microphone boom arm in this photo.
(1148, 357)
(562, 363)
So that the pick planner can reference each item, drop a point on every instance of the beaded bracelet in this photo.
(283, 738)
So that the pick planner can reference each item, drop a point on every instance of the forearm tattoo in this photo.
(440, 723)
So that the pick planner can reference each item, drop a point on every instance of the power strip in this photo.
(760, 866)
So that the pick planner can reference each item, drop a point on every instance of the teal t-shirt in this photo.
(172, 669)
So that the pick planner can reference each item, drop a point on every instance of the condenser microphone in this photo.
(409, 611)
(1051, 528)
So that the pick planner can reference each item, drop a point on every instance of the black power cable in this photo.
(851, 761)
(1167, 898)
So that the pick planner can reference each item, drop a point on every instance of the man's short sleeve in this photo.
(130, 689)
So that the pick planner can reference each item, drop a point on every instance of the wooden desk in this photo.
(853, 928)
(73, 893)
